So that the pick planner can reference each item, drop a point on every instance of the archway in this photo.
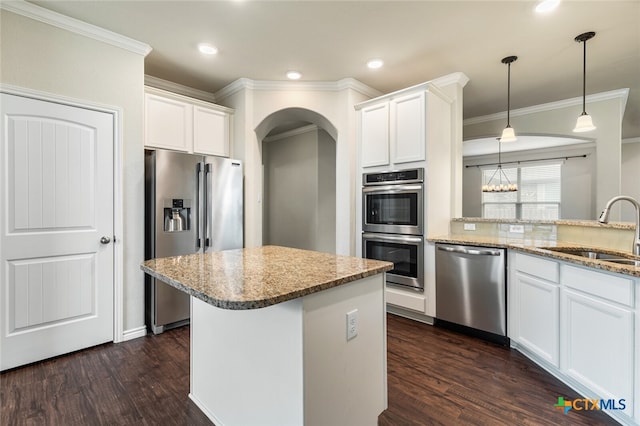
(299, 179)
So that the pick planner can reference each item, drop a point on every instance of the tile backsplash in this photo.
(616, 236)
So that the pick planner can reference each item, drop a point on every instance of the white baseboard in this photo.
(406, 313)
(204, 409)
(134, 333)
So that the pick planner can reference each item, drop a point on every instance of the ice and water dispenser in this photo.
(177, 215)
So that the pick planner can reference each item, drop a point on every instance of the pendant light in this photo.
(584, 123)
(499, 185)
(508, 135)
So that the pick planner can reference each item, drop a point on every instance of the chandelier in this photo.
(499, 182)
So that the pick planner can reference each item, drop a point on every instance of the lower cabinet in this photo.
(538, 316)
(580, 324)
(598, 345)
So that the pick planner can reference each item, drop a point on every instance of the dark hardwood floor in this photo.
(436, 377)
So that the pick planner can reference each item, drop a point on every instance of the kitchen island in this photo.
(270, 339)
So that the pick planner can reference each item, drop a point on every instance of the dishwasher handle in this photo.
(476, 252)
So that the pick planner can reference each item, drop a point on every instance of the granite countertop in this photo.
(539, 247)
(576, 222)
(258, 277)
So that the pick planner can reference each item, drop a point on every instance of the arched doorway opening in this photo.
(299, 180)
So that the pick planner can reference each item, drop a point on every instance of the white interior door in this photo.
(56, 204)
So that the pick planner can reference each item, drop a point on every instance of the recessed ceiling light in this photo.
(547, 6)
(375, 63)
(293, 75)
(207, 49)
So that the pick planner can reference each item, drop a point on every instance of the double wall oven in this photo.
(393, 224)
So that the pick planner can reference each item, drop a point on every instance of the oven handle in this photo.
(390, 188)
(470, 251)
(401, 239)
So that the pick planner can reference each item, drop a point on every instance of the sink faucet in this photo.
(604, 218)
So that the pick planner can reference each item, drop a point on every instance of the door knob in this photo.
(105, 240)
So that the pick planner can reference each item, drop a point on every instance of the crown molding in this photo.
(453, 78)
(621, 94)
(631, 140)
(358, 86)
(290, 133)
(47, 16)
(170, 86)
(318, 86)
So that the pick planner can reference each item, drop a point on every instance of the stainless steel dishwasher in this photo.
(471, 294)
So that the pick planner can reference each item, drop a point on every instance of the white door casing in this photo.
(57, 202)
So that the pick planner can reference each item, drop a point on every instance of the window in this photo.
(538, 195)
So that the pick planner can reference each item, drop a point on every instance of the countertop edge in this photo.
(576, 222)
(536, 247)
(263, 303)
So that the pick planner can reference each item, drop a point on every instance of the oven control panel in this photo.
(398, 176)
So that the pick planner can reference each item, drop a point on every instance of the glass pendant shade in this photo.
(584, 124)
(508, 135)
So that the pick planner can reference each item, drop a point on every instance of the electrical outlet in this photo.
(352, 324)
(516, 229)
(469, 226)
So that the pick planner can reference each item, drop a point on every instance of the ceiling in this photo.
(418, 40)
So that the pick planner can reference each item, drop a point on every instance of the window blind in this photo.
(538, 195)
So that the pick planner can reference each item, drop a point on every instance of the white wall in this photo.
(45, 58)
(559, 119)
(332, 104)
(299, 190)
(577, 185)
(630, 177)
(326, 202)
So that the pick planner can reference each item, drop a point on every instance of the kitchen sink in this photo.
(631, 262)
(594, 254)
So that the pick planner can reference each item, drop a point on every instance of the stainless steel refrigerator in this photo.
(193, 204)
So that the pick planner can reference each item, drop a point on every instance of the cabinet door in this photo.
(168, 123)
(537, 309)
(375, 135)
(408, 118)
(210, 132)
(598, 345)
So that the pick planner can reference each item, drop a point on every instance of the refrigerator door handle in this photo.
(198, 204)
(205, 202)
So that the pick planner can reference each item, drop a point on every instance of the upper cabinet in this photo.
(392, 131)
(185, 124)
(407, 125)
(374, 128)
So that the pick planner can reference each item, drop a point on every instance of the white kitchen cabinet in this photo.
(168, 123)
(408, 128)
(597, 332)
(535, 300)
(185, 124)
(374, 127)
(538, 316)
(598, 345)
(581, 324)
(210, 131)
(393, 130)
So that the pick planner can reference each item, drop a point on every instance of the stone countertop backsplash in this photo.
(258, 277)
(533, 236)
